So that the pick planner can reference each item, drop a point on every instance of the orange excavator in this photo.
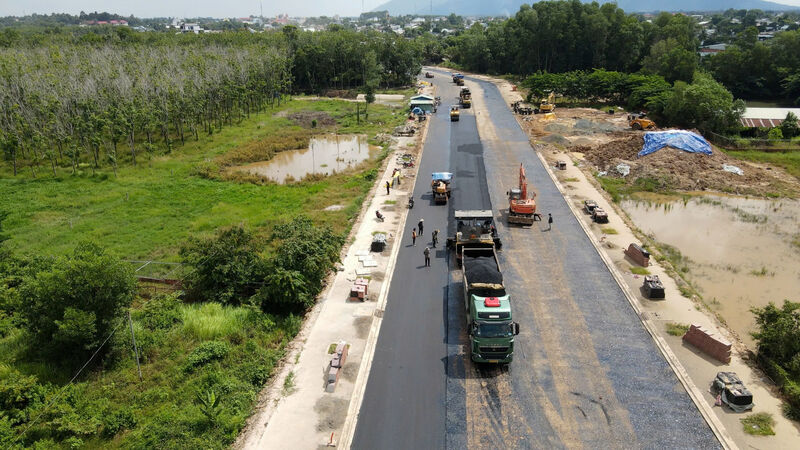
(521, 209)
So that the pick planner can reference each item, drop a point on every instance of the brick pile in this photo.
(714, 346)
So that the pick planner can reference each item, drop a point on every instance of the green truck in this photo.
(489, 321)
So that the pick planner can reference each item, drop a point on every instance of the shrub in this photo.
(212, 320)
(73, 303)
(775, 134)
(161, 312)
(119, 420)
(789, 128)
(224, 268)
(18, 395)
(205, 353)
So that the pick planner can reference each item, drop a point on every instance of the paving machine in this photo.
(521, 209)
(440, 186)
(474, 228)
(465, 97)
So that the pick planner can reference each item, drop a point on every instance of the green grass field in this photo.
(147, 211)
(789, 161)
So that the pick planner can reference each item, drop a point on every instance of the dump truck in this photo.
(465, 97)
(454, 113)
(474, 228)
(440, 186)
(490, 327)
(521, 209)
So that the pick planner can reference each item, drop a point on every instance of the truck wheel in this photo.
(636, 126)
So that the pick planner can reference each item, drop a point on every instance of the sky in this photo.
(191, 8)
(203, 8)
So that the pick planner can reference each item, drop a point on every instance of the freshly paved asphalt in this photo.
(586, 373)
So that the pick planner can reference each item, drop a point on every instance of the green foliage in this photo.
(225, 268)
(775, 134)
(677, 329)
(19, 395)
(72, 305)
(759, 424)
(671, 60)
(213, 320)
(208, 403)
(160, 312)
(207, 351)
(704, 104)
(789, 128)
(119, 420)
(778, 335)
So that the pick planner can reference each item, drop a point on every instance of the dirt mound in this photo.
(673, 169)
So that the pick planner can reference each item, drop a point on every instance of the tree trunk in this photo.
(133, 152)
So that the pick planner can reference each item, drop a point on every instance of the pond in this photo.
(325, 155)
(744, 252)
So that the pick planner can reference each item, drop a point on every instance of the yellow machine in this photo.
(466, 97)
(640, 122)
(454, 113)
(547, 105)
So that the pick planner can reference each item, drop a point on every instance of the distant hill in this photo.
(510, 7)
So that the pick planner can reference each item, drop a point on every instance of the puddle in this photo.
(741, 250)
(324, 156)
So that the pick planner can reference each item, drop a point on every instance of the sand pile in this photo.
(680, 170)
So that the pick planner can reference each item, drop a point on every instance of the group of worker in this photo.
(434, 240)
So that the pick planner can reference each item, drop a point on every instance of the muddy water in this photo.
(324, 156)
(741, 250)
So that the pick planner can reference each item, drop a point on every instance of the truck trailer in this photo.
(488, 307)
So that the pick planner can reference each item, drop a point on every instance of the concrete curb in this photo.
(360, 385)
(694, 392)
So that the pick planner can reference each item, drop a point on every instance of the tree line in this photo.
(91, 100)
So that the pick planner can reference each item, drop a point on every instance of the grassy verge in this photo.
(789, 161)
(147, 211)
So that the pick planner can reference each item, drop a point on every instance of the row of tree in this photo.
(704, 103)
(92, 100)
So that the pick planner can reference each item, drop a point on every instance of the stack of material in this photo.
(334, 369)
(378, 242)
(483, 269)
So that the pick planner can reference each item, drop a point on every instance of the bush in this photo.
(789, 127)
(73, 303)
(119, 420)
(226, 268)
(161, 312)
(19, 394)
(205, 353)
(775, 134)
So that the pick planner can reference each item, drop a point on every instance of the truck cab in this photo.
(490, 327)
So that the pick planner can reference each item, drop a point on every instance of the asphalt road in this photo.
(586, 373)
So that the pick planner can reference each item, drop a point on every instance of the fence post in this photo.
(135, 348)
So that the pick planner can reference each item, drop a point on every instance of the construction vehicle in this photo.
(428, 75)
(640, 122)
(466, 97)
(460, 81)
(458, 76)
(522, 108)
(521, 209)
(474, 229)
(454, 113)
(547, 105)
(489, 322)
(440, 186)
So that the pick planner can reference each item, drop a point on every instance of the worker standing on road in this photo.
(427, 253)
(435, 237)
(549, 222)
(387, 188)
(414, 236)
(420, 225)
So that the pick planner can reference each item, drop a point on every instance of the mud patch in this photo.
(350, 372)
(332, 411)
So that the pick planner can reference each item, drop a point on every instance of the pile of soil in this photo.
(676, 169)
(306, 118)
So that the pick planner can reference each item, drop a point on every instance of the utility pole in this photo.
(135, 348)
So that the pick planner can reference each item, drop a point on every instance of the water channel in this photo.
(744, 252)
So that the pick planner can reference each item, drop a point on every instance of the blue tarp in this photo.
(684, 140)
(445, 176)
(418, 111)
